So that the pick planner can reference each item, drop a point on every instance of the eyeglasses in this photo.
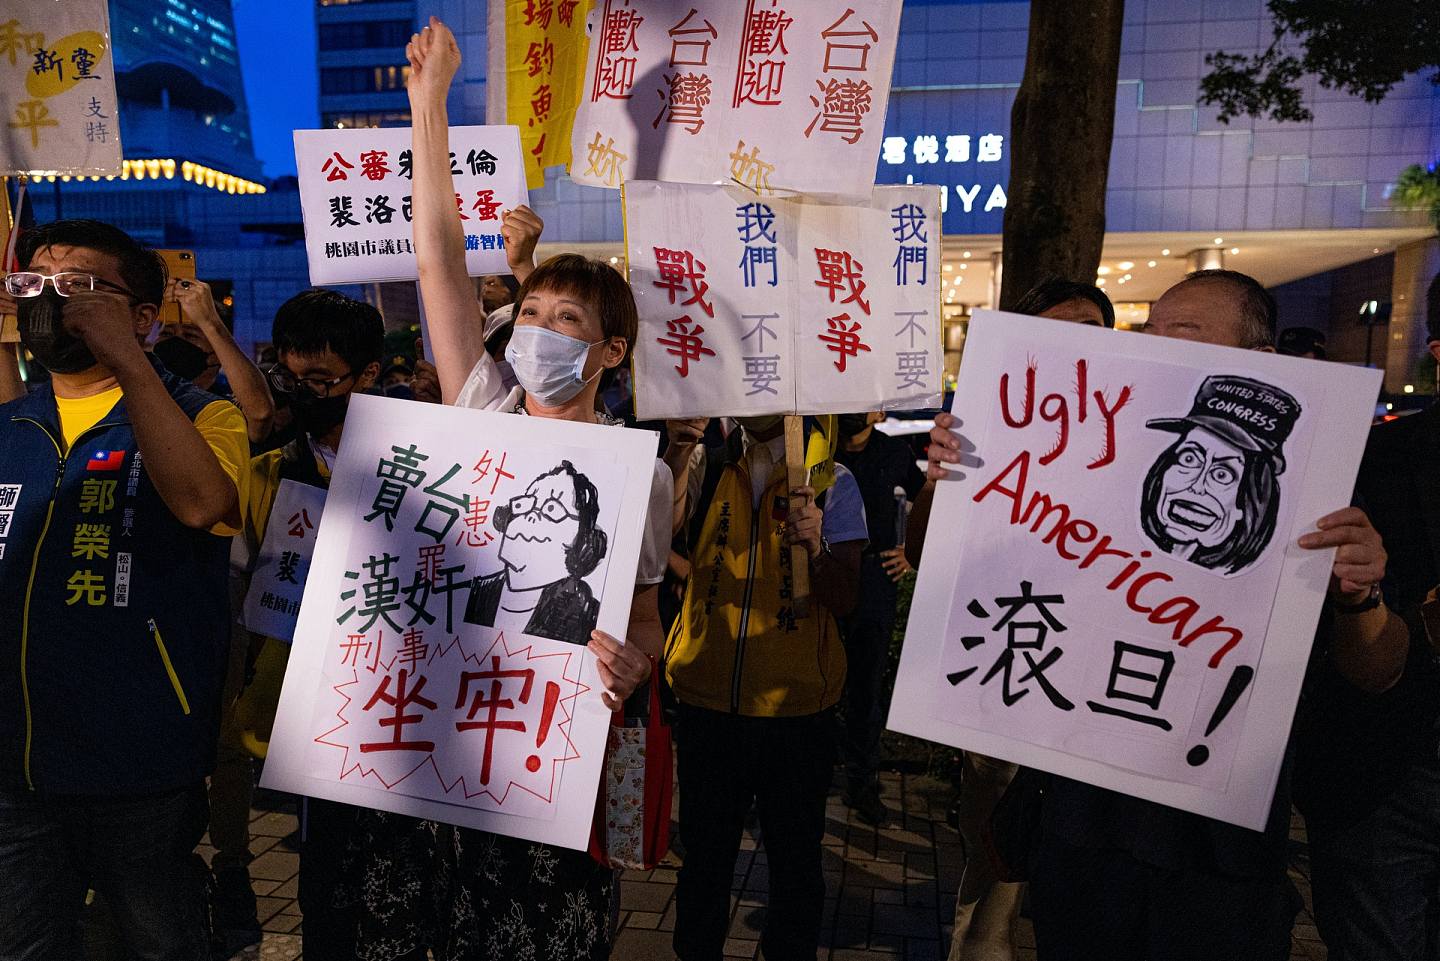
(285, 382)
(28, 283)
(553, 509)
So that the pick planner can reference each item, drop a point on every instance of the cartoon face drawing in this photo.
(549, 531)
(1213, 496)
(1199, 491)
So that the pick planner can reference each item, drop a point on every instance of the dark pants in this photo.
(1377, 882)
(783, 766)
(138, 852)
(866, 633)
(1108, 906)
(331, 926)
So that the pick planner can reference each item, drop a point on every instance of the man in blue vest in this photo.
(120, 486)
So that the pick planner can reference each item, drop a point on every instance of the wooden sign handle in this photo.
(797, 476)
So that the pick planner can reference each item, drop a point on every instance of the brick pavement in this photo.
(890, 893)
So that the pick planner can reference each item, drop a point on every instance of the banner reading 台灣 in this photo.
(775, 94)
(769, 306)
(536, 63)
(1114, 592)
(355, 190)
(57, 89)
(439, 668)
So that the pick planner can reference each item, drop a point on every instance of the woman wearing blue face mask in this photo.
(416, 885)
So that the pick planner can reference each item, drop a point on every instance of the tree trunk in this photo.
(1061, 127)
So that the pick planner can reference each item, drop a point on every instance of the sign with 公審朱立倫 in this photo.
(1112, 589)
(439, 667)
(355, 196)
(778, 306)
(775, 95)
(58, 111)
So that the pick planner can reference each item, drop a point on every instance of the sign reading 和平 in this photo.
(1113, 590)
(57, 89)
(774, 94)
(355, 196)
(769, 306)
(439, 667)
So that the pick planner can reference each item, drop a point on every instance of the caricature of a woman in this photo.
(551, 543)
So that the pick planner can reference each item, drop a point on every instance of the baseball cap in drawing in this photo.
(1253, 416)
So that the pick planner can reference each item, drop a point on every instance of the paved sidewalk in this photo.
(890, 893)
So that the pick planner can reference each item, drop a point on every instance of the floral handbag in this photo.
(632, 812)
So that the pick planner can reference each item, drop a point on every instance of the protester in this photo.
(202, 347)
(464, 893)
(128, 482)
(1118, 877)
(330, 348)
(986, 908)
(1368, 770)
(496, 291)
(884, 469)
(1060, 299)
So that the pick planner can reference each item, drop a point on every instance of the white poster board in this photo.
(277, 584)
(414, 685)
(57, 89)
(775, 94)
(780, 306)
(1116, 594)
(355, 190)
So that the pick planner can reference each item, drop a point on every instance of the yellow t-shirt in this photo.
(220, 423)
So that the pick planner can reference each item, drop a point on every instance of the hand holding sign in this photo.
(948, 447)
(521, 229)
(622, 668)
(1359, 557)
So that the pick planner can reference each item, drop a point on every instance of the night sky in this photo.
(277, 53)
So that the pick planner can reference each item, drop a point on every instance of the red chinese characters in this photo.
(616, 51)
(488, 698)
(761, 70)
(841, 105)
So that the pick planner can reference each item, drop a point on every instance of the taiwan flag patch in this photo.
(106, 460)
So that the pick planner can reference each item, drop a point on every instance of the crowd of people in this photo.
(137, 707)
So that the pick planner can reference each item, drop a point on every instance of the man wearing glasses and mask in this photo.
(120, 487)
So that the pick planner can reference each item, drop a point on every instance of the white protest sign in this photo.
(57, 97)
(775, 94)
(439, 667)
(277, 583)
(355, 190)
(1116, 594)
(769, 306)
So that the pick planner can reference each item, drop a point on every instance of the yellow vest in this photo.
(736, 647)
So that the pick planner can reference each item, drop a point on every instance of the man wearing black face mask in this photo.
(329, 347)
(885, 471)
(202, 347)
(120, 486)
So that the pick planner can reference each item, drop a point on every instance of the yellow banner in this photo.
(545, 52)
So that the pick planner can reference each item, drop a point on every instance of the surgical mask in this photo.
(318, 416)
(181, 357)
(549, 366)
(45, 336)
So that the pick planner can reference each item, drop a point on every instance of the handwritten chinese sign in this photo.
(775, 306)
(1115, 593)
(774, 94)
(277, 583)
(355, 195)
(57, 99)
(439, 667)
(537, 64)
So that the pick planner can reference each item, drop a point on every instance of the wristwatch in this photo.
(824, 554)
(1371, 601)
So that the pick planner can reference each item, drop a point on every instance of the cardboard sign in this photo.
(1115, 594)
(57, 89)
(777, 306)
(439, 667)
(277, 583)
(355, 190)
(773, 94)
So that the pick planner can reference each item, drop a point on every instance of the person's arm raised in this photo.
(454, 321)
